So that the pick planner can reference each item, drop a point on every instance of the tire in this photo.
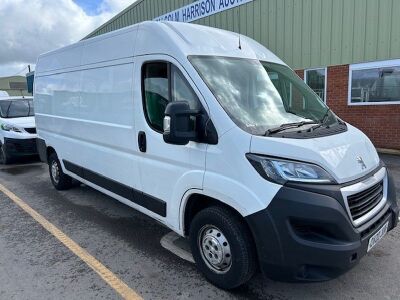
(60, 180)
(235, 261)
(5, 159)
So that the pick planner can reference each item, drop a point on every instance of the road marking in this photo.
(109, 277)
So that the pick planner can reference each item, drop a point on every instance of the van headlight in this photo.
(8, 127)
(281, 170)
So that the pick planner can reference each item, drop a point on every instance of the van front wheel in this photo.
(222, 247)
(60, 180)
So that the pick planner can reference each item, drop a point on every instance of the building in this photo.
(14, 86)
(348, 51)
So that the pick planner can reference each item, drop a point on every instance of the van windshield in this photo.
(16, 108)
(259, 96)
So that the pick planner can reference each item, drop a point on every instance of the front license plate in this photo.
(377, 236)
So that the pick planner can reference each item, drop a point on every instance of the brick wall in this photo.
(381, 123)
(300, 73)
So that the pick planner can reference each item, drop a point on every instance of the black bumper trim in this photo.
(20, 147)
(305, 235)
(42, 149)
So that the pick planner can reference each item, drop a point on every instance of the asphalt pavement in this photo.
(34, 264)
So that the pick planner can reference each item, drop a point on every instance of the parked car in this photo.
(218, 139)
(18, 130)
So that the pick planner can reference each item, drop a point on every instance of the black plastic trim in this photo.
(149, 202)
(20, 147)
(305, 233)
(307, 134)
(42, 149)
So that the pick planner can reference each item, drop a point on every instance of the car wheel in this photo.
(222, 247)
(60, 180)
(4, 157)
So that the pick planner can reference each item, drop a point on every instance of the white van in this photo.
(220, 141)
(17, 128)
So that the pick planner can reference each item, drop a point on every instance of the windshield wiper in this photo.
(288, 126)
(325, 117)
(322, 121)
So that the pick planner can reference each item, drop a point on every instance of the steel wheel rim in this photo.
(55, 173)
(215, 249)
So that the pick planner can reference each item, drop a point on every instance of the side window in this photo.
(181, 90)
(156, 92)
(162, 83)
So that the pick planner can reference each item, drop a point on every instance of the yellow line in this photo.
(109, 277)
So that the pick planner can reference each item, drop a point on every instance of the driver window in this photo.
(181, 90)
(156, 92)
(162, 83)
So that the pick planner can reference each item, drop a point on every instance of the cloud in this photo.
(114, 5)
(29, 28)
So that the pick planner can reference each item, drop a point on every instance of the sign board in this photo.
(200, 9)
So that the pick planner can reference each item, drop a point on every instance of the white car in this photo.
(220, 141)
(17, 128)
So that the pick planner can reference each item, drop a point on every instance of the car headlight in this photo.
(281, 170)
(8, 127)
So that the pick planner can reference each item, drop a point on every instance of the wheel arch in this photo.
(50, 150)
(196, 202)
(44, 149)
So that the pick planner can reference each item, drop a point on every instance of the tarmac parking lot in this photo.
(35, 264)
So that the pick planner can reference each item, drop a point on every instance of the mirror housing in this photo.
(180, 123)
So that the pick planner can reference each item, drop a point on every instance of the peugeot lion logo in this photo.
(361, 162)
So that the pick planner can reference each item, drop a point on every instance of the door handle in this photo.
(142, 141)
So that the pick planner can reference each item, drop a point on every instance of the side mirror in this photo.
(179, 123)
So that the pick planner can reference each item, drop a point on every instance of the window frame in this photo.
(170, 67)
(325, 83)
(367, 66)
(142, 77)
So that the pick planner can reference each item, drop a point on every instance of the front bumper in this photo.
(20, 147)
(306, 233)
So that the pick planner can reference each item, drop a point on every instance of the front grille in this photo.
(25, 147)
(376, 225)
(365, 201)
(30, 130)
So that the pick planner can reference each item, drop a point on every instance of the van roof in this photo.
(176, 39)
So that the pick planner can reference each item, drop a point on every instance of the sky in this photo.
(31, 27)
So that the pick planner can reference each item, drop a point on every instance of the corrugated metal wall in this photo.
(304, 33)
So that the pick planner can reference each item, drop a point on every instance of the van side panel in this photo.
(68, 57)
(87, 116)
(116, 46)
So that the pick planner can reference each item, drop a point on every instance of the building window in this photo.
(316, 80)
(375, 83)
